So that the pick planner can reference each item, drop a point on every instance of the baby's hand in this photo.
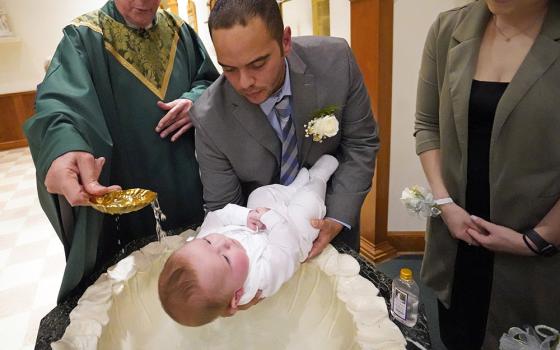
(254, 219)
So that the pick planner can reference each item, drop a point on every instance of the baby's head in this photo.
(203, 280)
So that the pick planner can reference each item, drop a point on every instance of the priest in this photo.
(113, 112)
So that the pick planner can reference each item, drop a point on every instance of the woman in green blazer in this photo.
(488, 136)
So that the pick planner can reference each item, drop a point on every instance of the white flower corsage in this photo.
(420, 201)
(323, 125)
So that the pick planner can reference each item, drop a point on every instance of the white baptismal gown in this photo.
(276, 252)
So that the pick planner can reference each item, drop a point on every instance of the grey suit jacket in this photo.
(524, 168)
(238, 150)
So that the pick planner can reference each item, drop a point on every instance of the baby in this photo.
(240, 251)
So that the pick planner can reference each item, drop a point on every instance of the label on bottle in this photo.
(400, 300)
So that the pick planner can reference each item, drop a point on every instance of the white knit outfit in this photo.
(276, 252)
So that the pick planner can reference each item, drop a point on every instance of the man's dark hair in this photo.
(227, 13)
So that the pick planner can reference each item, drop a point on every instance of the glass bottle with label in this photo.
(404, 298)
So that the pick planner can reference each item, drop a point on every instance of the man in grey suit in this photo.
(251, 123)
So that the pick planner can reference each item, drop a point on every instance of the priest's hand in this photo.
(458, 222)
(176, 120)
(328, 229)
(499, 238)
(74, 175)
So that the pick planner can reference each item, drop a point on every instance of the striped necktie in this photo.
(289, 167)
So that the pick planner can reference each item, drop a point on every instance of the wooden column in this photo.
(321, 17)
(173, 6)
(372, 44)
(191, 15)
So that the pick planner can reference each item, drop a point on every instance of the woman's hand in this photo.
(458, 222)
(498, 238)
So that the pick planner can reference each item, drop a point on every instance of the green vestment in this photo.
(99, 96)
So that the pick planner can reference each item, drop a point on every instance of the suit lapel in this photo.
(304, 102)
(461, 63)
(252, 119)
(543, 54)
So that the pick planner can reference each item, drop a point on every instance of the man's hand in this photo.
(176, 120)
(328, 230)
(74, 175)
(257, 299)
(458, 222)
(254, 219)
(499, 238)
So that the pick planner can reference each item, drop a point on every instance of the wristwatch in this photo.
(543, 247)
(442, 201)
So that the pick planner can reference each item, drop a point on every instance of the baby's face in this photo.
(220, 262)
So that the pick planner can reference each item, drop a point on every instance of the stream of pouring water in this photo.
(160, 217)
(117, 229)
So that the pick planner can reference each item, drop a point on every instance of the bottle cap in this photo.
(406, 274)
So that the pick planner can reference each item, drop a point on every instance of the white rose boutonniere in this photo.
(419, 201)
(323, 125)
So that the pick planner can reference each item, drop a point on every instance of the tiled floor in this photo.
(31, 255)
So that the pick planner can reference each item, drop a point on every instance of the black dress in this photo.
(463, 325)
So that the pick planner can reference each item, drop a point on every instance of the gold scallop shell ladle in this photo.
(123, 201)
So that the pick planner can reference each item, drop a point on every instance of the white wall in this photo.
(38, 25)
(340, 18)
(298, 15)
(202, 13)
(412, 20)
